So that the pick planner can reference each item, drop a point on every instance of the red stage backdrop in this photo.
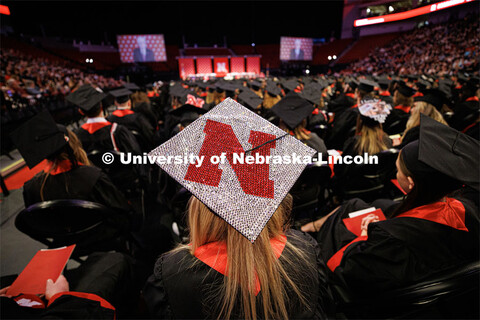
(130, 48)
(204, 65)
(186, 67)
(237, 64)
(253, 64)
(221, 66)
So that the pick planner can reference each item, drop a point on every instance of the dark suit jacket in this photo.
(293, 56)
(137, 55)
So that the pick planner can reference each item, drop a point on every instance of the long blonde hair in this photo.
(78, 153)
(422, 107)
(401, 100)
(270, 101)
(371, 137)
(247, 260)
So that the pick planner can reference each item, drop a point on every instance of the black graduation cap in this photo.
(131, 86)
(255, 85)
(412, 77)
(86, 97)
(177, 90)
(292, 109)
(187, 113)
(312, 92)
(435, 97)
(121, 95)
(202, 85)
(448, 151)
(290, 84)
(353, 84)
(405, 90)
(367, 85)
(249, 99)
(383, 83)
(38, 138)
(422, 84)
(228, 87)
(273, 89)
(462, 77)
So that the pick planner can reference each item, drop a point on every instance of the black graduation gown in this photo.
(82, 183)
(317, 143)
(178, 290)
(342, 103)
(342, 128)
(399, 251)
(465, 114)
(396, 121)
(100, 139)
(135, 122)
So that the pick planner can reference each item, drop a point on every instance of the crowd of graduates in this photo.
(324, 113)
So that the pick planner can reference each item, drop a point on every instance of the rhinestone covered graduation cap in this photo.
(244, 195)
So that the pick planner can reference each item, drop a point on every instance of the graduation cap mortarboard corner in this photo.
(405, 90)
(273, 89)
(244, 195)
(375, 109)
(187, 113)
(38, 138)
(292, 109)
(121, 95)
(131, 86)
(312, 92)
(250, 99)
(446, 150)
(86, 97)
(435, 97)
(366, 85)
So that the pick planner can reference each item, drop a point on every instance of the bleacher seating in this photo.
(336, 47)
(365, 44)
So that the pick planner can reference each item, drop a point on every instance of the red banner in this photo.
(4, 10)
(237, 64)
(186, 67)
(204, 65)
(253, 64)
(221, 66)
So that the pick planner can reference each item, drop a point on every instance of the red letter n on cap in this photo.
(220, 138)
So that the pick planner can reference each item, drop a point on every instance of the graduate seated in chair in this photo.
(68, 173)
(432, 231)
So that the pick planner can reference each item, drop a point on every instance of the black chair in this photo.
(369, 181)
(89, 225)
(453, 294)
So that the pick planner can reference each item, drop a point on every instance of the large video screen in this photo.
(296, 48)
(141, 48)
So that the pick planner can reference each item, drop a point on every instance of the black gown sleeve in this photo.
(155, 294)
(125, 140)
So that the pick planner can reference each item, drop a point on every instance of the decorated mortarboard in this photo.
(121, 95)
(312, 92)
(435, 97)
(131, 86)
(292, 109)
(245, 195)
(375, 109)
(445, 150)
(86, 97)
(366, 85)
(249, 99)
(405, 90)
(190, 97)
(38, 138)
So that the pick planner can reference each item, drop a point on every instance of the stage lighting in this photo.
(334, 57)
(91, 60)
(87, 61)
(329, 57)
(253, 44)
(307, 71)
(390, 9)
(368, 10)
